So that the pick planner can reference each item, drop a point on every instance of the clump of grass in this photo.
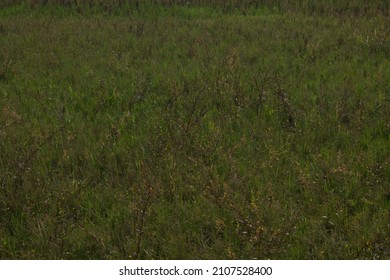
(5, 64)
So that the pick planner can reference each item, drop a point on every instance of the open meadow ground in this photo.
(161, 131)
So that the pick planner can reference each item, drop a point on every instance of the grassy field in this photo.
(194, 131)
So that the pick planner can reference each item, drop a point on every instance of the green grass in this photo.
(194, 132)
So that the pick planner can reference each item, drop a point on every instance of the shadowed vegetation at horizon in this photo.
(166, 130)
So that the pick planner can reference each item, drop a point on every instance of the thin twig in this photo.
(142, 223)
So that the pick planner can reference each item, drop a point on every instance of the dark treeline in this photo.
(311, 7)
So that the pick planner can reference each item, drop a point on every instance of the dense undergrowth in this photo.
(164, 131)
(122, 7)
